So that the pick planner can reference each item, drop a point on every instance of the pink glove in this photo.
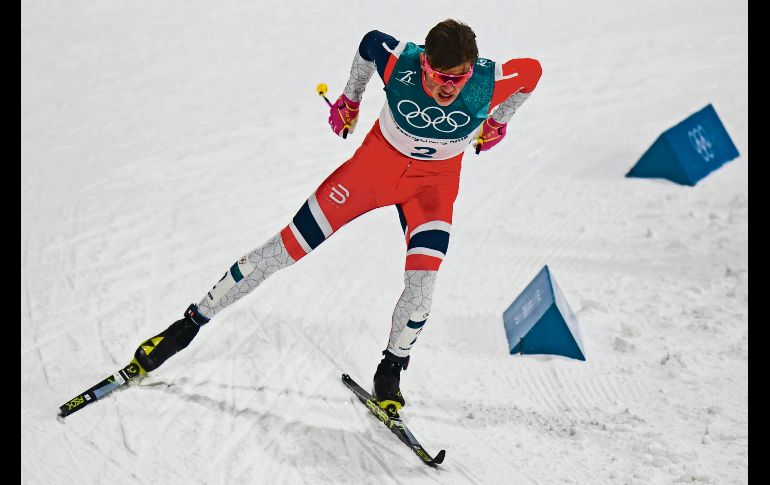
(343, 114)
(491, 134)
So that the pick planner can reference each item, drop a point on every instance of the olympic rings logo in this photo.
(455, 119)
(701, 143)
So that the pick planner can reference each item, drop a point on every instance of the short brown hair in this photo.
(449, 44)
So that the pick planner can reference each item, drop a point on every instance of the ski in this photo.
(393, 423)
(100, 390)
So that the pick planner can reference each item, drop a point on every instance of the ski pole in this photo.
(321, 89)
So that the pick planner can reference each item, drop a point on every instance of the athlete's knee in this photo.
(307, 229)
(428, 245)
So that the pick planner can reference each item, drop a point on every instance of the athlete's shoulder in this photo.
(382, 49)
(523, 72)
(375, 45)
(519, 75)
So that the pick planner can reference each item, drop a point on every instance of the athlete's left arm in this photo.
(514, 82)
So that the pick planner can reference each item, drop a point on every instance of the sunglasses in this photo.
(443, 79)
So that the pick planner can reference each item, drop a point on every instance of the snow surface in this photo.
(160, 141)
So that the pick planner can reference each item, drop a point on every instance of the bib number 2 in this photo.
(427, 152)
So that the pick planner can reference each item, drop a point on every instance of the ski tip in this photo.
(439, 458)
(345, 377)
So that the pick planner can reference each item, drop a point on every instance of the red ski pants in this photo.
(378, 175)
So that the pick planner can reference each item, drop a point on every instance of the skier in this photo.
(440, 98)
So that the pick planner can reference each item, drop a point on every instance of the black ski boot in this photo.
(386, 383)
(153, 352)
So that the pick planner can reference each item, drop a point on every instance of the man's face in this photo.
(445, 94)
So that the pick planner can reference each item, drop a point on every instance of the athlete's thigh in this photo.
(427, 222)
(362, 183)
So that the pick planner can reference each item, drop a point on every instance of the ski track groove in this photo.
(36, 344)
(369, 432)
(107, 458)
(595, 390)
(610, 390)
(107, 454)
(267, 442)
(123, 436)
(227, 448)
(589, 391)
(544, 395)
(375, 457)
(273, 435)
(286, 354)
(592, 389)
(551, 385)
(622, 390)
(64, 275)
(224, 358)
(578, 390)
(570, 399)
(555, 425)
(103, 342)
(483, 445)
(461, 468)
(70, 449)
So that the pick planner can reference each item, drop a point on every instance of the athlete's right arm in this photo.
(373, 53)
